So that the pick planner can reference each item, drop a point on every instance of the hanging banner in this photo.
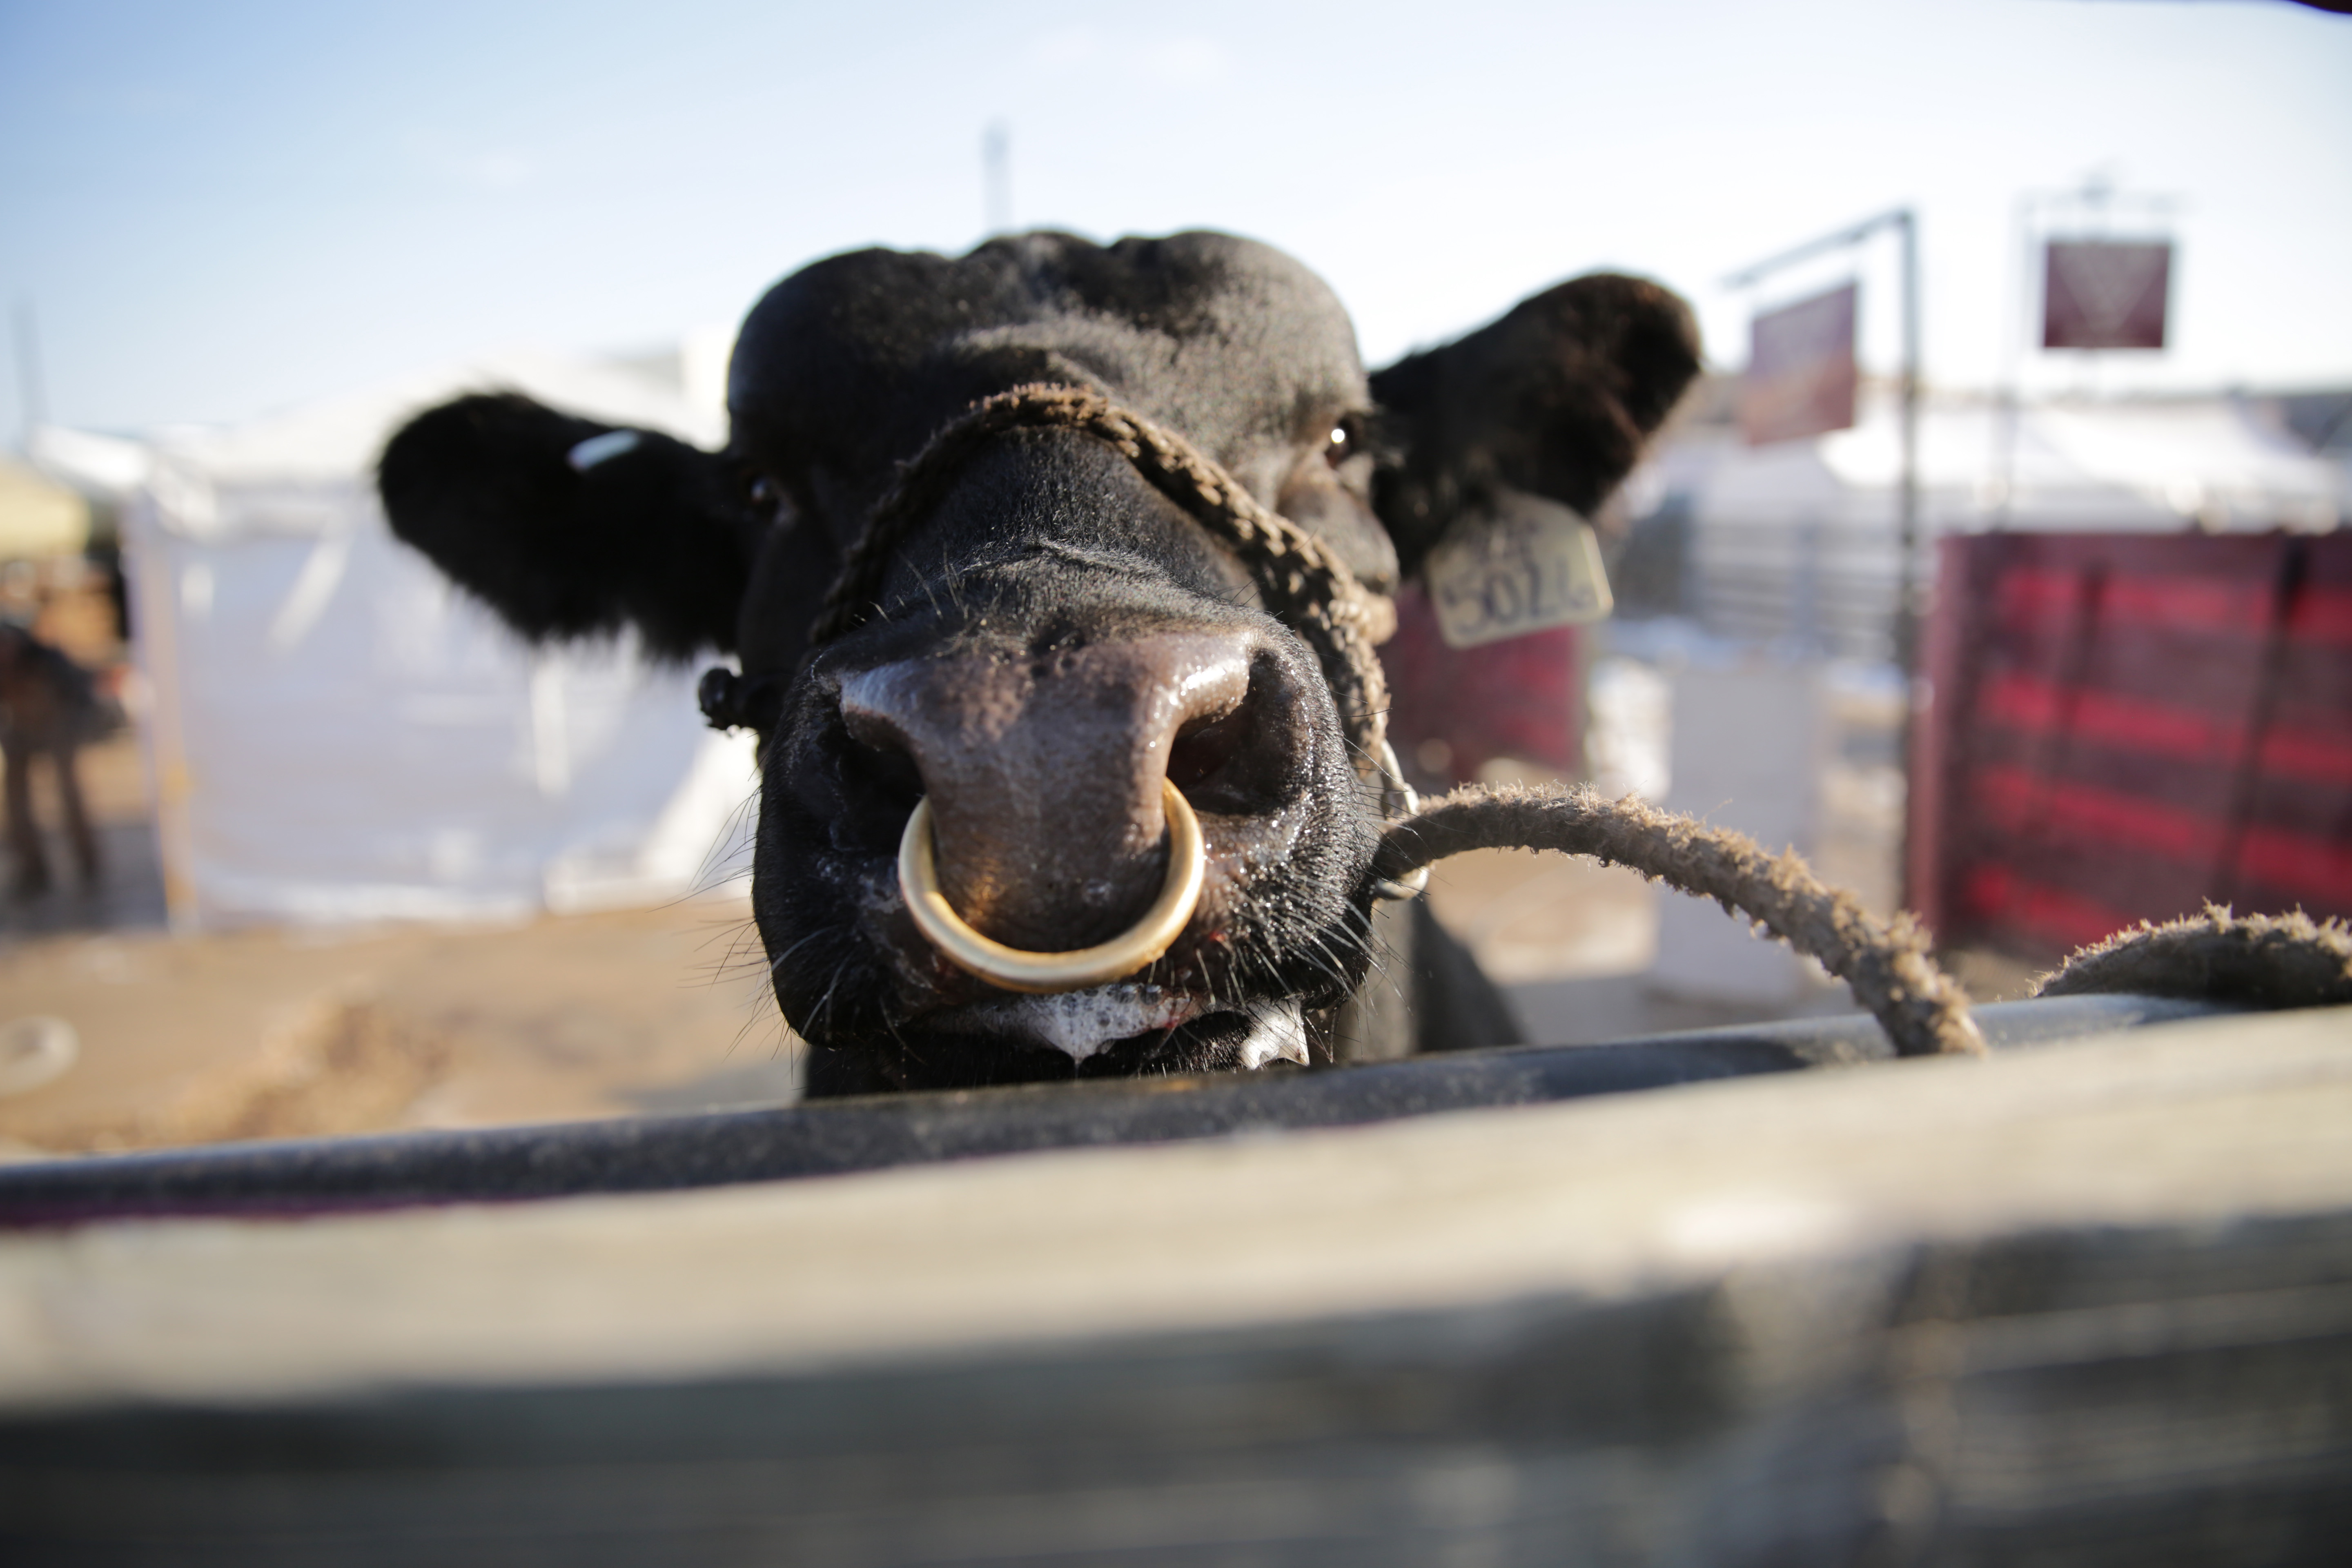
(2106, 293)
(1800, 370)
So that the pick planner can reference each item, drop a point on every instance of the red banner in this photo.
(2104, 293)
(1801, 372)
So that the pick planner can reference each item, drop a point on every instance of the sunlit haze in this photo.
(212, 211)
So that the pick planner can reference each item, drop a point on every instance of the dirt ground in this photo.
(277, 1034)
(282, 1033)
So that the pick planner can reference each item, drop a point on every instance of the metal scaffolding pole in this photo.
(1909, 594)
(1907, 590)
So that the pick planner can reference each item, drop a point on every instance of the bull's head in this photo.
(1054, 655)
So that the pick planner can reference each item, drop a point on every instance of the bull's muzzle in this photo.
(1042, 972)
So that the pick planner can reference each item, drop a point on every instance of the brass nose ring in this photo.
(1043, 972)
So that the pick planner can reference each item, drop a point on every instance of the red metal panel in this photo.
(1521, 699)
(2125, 726)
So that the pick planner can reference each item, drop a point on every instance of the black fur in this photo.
(1557, 398)
(656, 537)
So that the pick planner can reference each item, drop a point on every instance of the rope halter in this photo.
(1304, 586)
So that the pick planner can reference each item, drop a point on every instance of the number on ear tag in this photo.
(1526, 566)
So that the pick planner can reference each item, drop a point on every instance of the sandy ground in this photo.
(278, 1033)
(272, 1033)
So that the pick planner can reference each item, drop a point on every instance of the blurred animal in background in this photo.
(1053, 571)
(48, 707)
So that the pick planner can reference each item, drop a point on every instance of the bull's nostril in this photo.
(887, 774)
(1204, 747)
(1246, 761)
(877, 784)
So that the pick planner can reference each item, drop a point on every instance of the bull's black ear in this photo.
(1555, 398)
(567, 528)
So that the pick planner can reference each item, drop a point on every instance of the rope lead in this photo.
(1888, 966)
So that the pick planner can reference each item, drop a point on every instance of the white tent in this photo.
(1799, 538)
(336, 733)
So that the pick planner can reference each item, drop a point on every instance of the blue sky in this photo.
(216, 210)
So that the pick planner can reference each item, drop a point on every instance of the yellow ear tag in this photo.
(1527, 565)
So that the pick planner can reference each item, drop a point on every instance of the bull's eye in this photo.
(1342, 444)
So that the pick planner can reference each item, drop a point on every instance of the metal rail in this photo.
(718, 1147)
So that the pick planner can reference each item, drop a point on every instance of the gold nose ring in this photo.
(1042, 972)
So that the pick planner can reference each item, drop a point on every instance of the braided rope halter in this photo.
(1312, 592)
(1304, 586)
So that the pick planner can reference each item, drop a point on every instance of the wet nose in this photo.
(1044, 769)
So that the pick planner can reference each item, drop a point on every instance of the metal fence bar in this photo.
(717, 1148)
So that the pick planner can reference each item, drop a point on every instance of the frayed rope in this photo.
(1888, 964)
(2257, 960)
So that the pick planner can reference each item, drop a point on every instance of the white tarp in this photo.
(1797, 538)
(2143, 467)
(337, 734)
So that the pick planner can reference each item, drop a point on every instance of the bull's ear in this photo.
(567, 528)
(1556, 397)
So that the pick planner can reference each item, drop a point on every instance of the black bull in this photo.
(1054, 636)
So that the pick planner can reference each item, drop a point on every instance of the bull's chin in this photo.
(1142, 1025)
